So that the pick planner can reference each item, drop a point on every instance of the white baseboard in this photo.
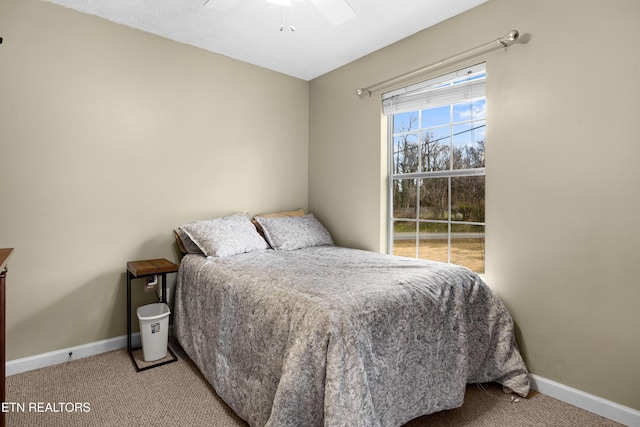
(43, 360)
(594, 404)
(597, 405)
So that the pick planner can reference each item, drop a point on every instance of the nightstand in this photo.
(144, 269)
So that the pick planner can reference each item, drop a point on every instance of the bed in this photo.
(325, 335)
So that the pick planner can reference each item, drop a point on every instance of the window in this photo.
(437, 168)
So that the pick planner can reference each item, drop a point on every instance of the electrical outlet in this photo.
(152, 283)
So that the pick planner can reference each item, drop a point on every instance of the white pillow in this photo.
(185, 244)
(295, 232)
(226, 236)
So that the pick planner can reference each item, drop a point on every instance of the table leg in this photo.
(164, 288)
(129, 311)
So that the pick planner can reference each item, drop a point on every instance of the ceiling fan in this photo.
(336, 11)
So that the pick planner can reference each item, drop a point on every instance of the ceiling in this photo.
(249, 30)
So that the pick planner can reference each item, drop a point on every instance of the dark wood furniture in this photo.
(143, 269)
(4, 257)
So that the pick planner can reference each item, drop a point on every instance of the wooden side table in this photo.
(143, 269)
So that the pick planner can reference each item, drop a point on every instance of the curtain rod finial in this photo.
(511, 37)
(360, 92)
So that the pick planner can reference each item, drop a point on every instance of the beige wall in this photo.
(110, 138)
(563, 190)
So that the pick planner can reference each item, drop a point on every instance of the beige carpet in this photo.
(105, 390)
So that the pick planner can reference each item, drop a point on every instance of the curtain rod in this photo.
(505, 41)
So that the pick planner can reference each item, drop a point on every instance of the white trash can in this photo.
(154, 330)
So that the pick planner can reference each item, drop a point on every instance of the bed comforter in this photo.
(342, 337)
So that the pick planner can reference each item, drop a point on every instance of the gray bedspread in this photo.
(342, 337)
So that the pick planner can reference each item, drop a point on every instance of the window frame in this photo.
(419, 175)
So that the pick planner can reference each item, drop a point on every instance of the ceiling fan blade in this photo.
(280, 2)
(221, 5)
(336, 11)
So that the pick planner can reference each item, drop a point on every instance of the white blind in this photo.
(463, 85)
